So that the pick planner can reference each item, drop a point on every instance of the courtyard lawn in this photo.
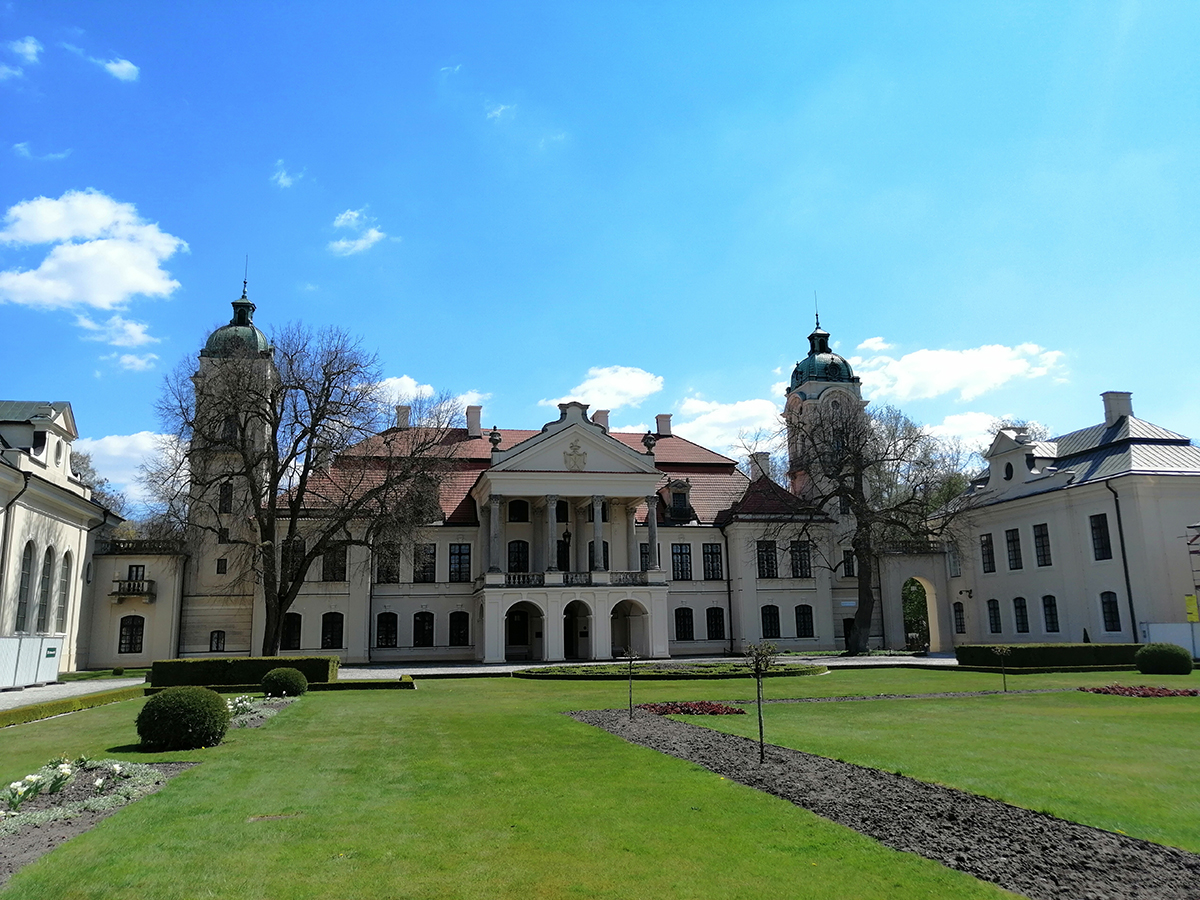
(1116, 763)
(464, 788)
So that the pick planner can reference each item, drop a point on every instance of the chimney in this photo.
(1116, 404)
(663, 424)
(473, 416)
(760, 465)
(600, 417)
(403, 414)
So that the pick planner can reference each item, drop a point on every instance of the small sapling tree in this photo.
(630, 655)
(761, 658)
(1002, 651)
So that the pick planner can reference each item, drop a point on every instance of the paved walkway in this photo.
(348, 673)
(29, 696)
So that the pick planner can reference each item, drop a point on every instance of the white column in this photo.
(652, 529)
(601, 631)
(631, 541)
(598, 532)
(493, 632)
(495, 503)
(553, 630)
(552, 532)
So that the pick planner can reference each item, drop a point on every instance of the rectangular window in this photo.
(460, 562)
(1110, 610)
(333, 563)
(801, 559)
(216, 642)
(1012, 540)
(222, 535)
(387, 563)
(1041, 544)
(1021, 615)
(137, 573)
(843, 506)
(768, 563)
(291, 558)
(225, 498)
(387, 631)
(1050, 613)
(222, 566)
(1101, 544)
(770, 621)
(716, 623)
(987, 553)
(681, 563)
(460, 628)
(848, 563)
(290, 637)
(714, 570)
(425, 563)
(953, 560)
(994, 624)
(960, 618)
(684, 627)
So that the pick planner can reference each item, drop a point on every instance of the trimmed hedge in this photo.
(1164, 659)
(357, 684)
(183, 718)
(1031, 656)
(284, 682)
(228, 670)
(34, 711)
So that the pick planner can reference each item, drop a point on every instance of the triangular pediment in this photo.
(573, 444)
(1005, 441)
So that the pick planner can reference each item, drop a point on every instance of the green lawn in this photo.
(97, 674)
(481, 788)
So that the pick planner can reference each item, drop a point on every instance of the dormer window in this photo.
(39, 443)
(1008, 471)
(679, 501)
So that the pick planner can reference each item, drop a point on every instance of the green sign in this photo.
(51, 651)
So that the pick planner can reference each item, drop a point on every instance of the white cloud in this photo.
(117, 331)
(7, 72)
(120, 69)
(931, 373)
(118, 456)
(779, 388)
(498, 111)
(27, 48)
(471, 398)
(612, 387)
(104, 253)
(450, 69)
(133, 363)
(309, 286)
(972, 429)
(22, 150)
(356, 220)
(876, 344)
(284, 179)
(719, 425)
(639, 428)
(405, 388)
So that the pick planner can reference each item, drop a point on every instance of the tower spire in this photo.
(245, 276)
(816, 309)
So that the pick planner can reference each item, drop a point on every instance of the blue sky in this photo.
(631, 203)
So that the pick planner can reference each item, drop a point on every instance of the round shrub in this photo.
(119, 671)
(183, 718)
(284, 682)
(1163, 659)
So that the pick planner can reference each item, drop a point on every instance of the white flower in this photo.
(64, 769)
(15, 786)
(116, 769)
(33, 779)
(99, 782)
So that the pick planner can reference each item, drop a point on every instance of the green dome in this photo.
(239, 337)
(821, 364)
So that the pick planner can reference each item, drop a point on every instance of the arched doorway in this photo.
(523, 633)
(577, 631)
(922, 625)
(630, 628)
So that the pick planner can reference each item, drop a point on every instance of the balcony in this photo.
(143, 590)
(577, 579)
(139, 548)
(629, 578)
(524, 579)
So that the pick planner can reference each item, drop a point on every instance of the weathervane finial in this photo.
(245, 276)
(816, 309)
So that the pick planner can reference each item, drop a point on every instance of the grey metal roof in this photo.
(24, 410)
(1127, 428)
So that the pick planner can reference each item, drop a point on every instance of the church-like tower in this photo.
(822, 377)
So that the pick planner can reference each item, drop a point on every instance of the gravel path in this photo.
(1029, 853)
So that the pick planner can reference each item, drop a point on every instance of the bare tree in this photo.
(761, 658)
(286, 456)
(103, 491)
(884, 475)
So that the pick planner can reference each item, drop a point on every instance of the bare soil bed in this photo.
(1021, 851)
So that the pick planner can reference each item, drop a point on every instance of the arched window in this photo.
(518, 510)
(770, 621)
(132, 629)
(1111, 611)
(43, 607)
(684, 629)
(716, 623)
(290, 637)
(518, 556)
(24, 591)
(387, 629)
(216, 642)
(460, 628)
(1050, 613)
(423, 629)
(331, 631)
(994, 624)
(804, 621)
(562, 511)
(960, 618)
(1021, 615)
(64, 593)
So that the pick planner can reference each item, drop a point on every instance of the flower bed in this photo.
(691, 708)
(1142, 690)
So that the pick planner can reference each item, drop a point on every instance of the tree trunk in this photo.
(762, 752)
(273, 632)
(864, 561)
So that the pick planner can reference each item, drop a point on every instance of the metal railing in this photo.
(126, 548)
(912, 548)
(142, 588)
(626, 578)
